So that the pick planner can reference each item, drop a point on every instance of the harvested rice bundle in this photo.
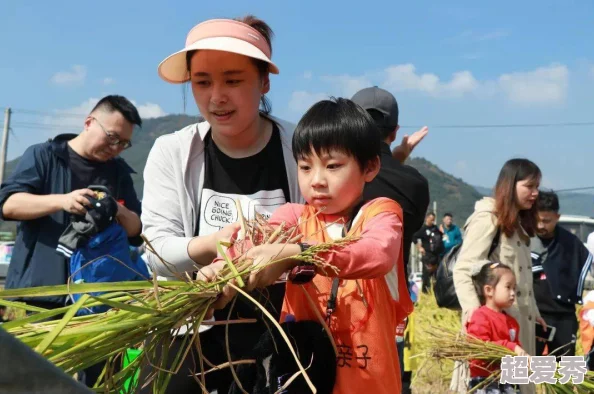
(145, 309)
(451, 345)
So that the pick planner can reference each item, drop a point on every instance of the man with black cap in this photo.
(400, 182)
(395, 180)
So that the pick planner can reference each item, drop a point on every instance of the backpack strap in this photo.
(495, 242)
(331, 304)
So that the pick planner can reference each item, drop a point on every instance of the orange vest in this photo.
(366, 316)
(586, 330)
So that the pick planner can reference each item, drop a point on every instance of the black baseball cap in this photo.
(379, 100)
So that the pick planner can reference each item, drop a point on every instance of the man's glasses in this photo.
(111, 137)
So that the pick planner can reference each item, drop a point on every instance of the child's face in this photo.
(504, 293)
(333, 181)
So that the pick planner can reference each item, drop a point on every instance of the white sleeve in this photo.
(162, 215)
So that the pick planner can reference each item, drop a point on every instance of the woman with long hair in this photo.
(507, 220)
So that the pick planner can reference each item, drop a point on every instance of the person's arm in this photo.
(163, 223)
(408, 144)
(479, 236)
(21, 195)
(129, 220)
(161, 216)
(479, 328)
(27, 206)
(458, 236)
(129, 212)
(373, 254)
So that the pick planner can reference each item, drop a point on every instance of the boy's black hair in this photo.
(489, 274)
(120, 104)
(447, 214)
(337, 124)
(430, 213)
(547, 202)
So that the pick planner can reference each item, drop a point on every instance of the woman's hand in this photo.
(543, 323)
(209, 273)
(467, 316)
(203, 250)
(520, 352)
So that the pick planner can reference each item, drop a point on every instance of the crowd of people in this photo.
(333, 174)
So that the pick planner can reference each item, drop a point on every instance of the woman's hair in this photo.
(509, 215)
(489, 274)
(338, 124)
(262, 66)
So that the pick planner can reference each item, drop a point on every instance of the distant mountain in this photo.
(581, 204)
(450, 193)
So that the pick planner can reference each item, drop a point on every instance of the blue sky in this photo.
(529, 62)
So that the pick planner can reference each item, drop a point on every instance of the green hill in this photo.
(450, 193)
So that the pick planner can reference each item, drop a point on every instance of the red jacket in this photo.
(496, 327)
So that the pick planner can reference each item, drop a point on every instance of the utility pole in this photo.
(4, 148)
(435, 209)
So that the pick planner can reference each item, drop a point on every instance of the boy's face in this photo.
(334, 180)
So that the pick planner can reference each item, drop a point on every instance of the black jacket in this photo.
(44, 169)
(565, 264)
(405, 185)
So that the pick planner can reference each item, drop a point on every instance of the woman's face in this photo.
(227, 88)
(526, 193)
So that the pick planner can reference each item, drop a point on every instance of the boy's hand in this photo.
(264, 254)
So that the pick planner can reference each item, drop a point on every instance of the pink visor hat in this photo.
(220, 35)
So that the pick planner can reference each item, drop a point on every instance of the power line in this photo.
(46, 113)
(444, 126)
(573, 189)
(504, 126)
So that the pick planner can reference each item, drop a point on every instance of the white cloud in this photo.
(149, 110)
(472, 36)
(72, 119)
(301, 100)
(76, 76)
(472, 56)
(347, 85)
(404, 77)
(461, 165)
(307, 75)
(108, 81)
(544, 85)
(492, 35)
(541, 86)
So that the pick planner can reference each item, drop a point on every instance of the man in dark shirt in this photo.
(49, 189)
(395, 180)
(431, 248)
(560, 264)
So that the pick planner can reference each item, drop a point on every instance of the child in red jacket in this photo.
(496, 287)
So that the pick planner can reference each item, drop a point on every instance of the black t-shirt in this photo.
(260, 183)
(86, 173)
(426, 234)
(405, 185)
